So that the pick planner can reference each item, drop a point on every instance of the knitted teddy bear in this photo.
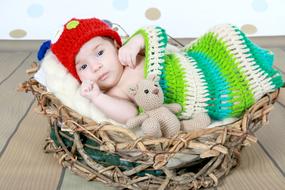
(158, 119)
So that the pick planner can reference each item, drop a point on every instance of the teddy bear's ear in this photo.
(133, 90)
(151, 77)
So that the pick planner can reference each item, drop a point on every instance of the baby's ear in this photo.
(133, 90)
(151, 77)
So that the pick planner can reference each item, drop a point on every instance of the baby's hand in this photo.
(128, 53)
(89, 89)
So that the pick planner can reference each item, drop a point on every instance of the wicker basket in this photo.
(116, 156)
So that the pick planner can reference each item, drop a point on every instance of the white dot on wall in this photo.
(35, 10)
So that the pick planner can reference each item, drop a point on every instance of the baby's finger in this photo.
(130, 61)
(89, 88)
(122, 57)
(122, 60)
(84, 91)
(87, 82)
(127, 60)
(96, 88)
(133, 62)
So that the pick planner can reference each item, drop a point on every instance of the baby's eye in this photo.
(146, 91)
(83, 67)
(101, 52)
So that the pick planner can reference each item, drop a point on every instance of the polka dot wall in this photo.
(131, 13)
(35, 10)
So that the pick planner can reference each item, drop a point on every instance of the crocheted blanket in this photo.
(222, 72)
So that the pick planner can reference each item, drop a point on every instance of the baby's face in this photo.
(97, 60)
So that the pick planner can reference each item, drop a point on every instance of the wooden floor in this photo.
(24, 165)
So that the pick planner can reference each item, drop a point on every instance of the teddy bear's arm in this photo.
(174, 107)
(136, 121)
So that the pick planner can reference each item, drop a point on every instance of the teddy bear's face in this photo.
(148, 95)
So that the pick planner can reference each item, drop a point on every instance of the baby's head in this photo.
(88, 50)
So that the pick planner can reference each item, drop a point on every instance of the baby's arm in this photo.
(117, 109)
(152, 40)
(129, 51)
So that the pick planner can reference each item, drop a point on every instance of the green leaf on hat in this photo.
(72, 24)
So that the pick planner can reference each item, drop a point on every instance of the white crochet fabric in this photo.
(259, 81)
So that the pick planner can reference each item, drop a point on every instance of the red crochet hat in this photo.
(74, 34)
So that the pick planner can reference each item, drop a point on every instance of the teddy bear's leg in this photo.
(151, 128)
(170, 128)
(199, 120)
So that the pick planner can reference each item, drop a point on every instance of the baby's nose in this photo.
(96, 67)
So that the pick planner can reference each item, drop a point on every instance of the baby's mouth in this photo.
(103, 77)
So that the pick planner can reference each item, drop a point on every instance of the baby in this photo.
(93, 53)
(217, 76)
(107, 71)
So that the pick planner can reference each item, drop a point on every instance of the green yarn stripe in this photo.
(146, 41)
(218, 106)
(176, 82)
(240, 94)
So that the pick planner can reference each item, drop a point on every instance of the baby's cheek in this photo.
(83, 76)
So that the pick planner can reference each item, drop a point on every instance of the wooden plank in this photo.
(74, 182)
(271, 137)
(9, 62)
(13, 104)
(256, 171)
(24, 165)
